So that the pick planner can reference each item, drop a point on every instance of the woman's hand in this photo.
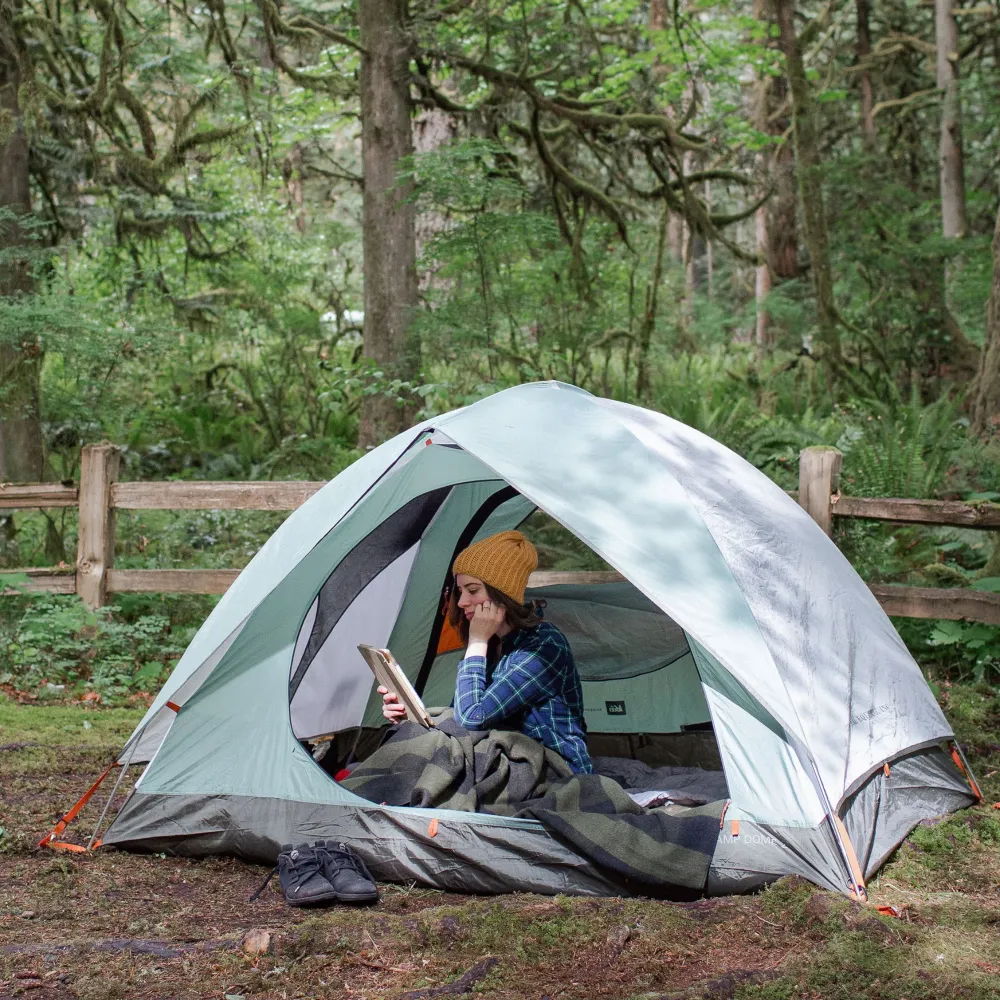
(488, 617)
(391, 707)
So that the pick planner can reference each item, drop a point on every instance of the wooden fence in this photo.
(100, 494)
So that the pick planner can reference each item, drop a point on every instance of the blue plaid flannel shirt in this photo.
(534, 687)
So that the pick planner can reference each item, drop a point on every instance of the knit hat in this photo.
(504, 561)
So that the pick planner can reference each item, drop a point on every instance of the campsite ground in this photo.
(113, 925)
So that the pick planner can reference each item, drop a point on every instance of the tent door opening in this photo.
(642, 691)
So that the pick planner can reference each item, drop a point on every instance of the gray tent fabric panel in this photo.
(615, 631)
(761, 853)
(884, 810)
(470, 852)
(381, 547)
(304, 634)
(335, 689)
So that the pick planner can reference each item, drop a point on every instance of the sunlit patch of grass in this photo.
(960, 854)
(66, 725)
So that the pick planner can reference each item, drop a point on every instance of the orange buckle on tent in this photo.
(432, 827)
(734, 827)
(49, 840)
(886, 769)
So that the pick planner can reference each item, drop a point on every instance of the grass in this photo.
(114, 926)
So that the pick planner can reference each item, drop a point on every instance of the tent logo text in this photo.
(615, 708)
(871, 713)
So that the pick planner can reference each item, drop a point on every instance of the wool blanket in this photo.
(509, 774)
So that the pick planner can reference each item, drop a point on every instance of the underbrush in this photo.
(53, 648)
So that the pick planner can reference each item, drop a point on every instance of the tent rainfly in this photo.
(740, 623)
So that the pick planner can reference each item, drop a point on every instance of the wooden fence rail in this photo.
(100, 495)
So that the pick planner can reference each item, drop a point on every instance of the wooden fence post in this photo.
(96, 534)
(819, 479)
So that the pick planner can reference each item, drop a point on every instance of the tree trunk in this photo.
(986, 389)
(642, 379)
(807, 161)
(709, 247)
(675, 227)
(762, 283)
(763, 279)
(863, 49)
(388, 226)
(950, 158)
(776, 222)
(22, 453)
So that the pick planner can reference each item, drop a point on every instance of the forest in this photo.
(251, 240)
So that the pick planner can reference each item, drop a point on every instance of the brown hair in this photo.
(516, 615)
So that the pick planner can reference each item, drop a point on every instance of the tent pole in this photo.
(964, 767)
(114, 791)
(848, 854)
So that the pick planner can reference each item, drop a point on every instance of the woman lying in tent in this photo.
(518, 671)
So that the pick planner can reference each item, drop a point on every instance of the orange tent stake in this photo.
(49, 840)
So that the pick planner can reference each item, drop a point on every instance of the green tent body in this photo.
(737, 612)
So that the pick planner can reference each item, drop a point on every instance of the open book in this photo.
(390, 675)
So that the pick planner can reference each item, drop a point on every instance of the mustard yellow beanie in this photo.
(504, 561)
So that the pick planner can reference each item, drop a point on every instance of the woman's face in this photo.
(471, 593)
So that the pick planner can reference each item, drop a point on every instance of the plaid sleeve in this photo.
(523, 678)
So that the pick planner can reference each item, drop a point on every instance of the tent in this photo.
(741, 631)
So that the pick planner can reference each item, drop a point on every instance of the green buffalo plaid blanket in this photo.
(508, 773)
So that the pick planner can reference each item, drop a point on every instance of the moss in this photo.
(789, 899)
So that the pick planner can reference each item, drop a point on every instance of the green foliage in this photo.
(59, 648)
(955, 834)
(900, 448)
(974, 648)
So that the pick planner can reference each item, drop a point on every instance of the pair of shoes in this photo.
(325, 872)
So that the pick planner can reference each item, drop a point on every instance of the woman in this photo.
(518, 670)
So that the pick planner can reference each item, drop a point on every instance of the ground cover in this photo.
(110, 926)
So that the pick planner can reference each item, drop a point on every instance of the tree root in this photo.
(459, 987)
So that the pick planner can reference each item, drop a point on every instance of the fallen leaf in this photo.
(92, 696)
(257, 942)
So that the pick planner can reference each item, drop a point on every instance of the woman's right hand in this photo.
(391, 707)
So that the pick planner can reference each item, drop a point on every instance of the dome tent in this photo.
(738, 610)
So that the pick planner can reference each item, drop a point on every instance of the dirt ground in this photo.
(110, 925)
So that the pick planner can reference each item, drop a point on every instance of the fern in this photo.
(900, 448)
